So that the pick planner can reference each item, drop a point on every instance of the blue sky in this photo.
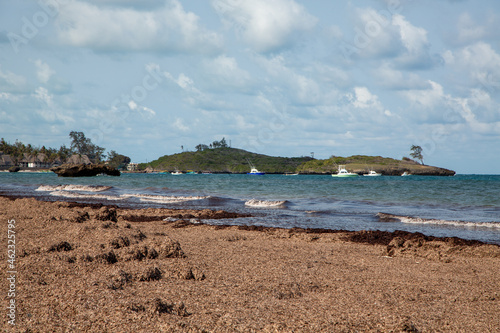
(282, 77)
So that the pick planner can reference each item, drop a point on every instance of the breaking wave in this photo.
(83, 188)
(67, 194)
(163, 198)
(265, 203)
(418, 220)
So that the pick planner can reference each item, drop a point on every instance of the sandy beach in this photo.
(94, 268)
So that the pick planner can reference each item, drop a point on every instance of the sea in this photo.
(465, 206)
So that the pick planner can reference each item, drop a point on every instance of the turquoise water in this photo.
(466, 206)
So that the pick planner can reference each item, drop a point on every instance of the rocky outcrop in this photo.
(419, 170)
(84, 170)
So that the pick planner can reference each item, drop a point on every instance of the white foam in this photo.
(70, 187)
(419, 220)
(163, 198)
(67, 194)
(265, 203)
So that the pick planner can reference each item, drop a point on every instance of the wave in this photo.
(70, 187)
(67, 194)
(384, 217)
(163, 199)
(265, 203)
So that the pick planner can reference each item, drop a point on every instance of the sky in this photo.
(282, 78)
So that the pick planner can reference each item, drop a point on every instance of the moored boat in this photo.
(372, 173)
(342, 172)
(254, 171)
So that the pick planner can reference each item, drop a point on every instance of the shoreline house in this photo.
(132, 166)
(6, 161)
(39, 161)
(34, 161)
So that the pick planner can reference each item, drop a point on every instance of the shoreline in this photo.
(370, 236)
(96, 267)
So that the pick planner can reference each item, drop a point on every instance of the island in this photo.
(234, 160)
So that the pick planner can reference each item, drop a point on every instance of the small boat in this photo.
(405, 174)
(372, 174)
(291, 174)
(344, 173)
(176, 173)
(254, 171)
(191, 172)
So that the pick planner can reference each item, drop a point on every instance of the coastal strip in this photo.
(95, 267)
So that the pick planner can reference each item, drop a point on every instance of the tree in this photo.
(223, 143)
(118, 161)
(64, 152)
(201, 147)
(417, 153)
(84, 146)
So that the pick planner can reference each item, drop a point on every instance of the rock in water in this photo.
(84, 170)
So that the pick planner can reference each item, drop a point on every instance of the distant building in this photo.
(34, 161)
(6, 161)
(132, 166)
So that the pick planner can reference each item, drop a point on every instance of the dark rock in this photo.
(14, 169)
(84, 170)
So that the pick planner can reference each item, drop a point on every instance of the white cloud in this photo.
(224, 73)
(179, 124)
(426, 98)
(44, 72)
(377, 35)
(479, 62)
(475, 111)
(142, 110)
(46, 107)
(299, 88)
(194, 96)
(11, 82)
(363, 98)
(468, 30)
(168, 29)
(130, 3)
(413, 38)
(398, 80)
(42, 95)
(266, 25)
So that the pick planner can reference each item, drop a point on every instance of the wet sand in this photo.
(94, 268)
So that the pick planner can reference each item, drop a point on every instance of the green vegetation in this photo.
(18, 150)
(233, 160)
(79, 145)
(362, 164)
(225, 159)
(416, 152)
(118, 161)
(84, 146)
(356, 163)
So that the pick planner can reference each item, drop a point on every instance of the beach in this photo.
(96, 268)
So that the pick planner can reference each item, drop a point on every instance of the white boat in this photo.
(344, 173)
(372, 174)
(406, 174)
(291, 174)
(176, 173)
(254, 171)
